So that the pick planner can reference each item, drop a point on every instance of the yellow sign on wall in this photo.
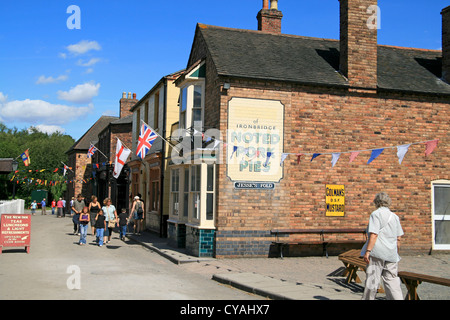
(255, 140)
(335, 200)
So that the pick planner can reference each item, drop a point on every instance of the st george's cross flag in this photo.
(122, 155)
(146, 140)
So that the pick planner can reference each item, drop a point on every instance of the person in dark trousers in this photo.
(123, 222)
(77, 208)
(100, 226)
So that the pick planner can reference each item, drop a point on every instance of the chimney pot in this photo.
(274, 5)
(266, 4)
(134, 96)
(124, 95)
(129, 95)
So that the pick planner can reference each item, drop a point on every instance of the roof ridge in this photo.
(206, 26)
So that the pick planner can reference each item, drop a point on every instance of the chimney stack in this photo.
(358, 43)
(269, 20)
(126, 103)
(446, 44)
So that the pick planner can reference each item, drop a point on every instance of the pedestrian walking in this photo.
(110, 214)
(94, 208)
(71, 205)
(53, 206)
(100, 226)
(60, 208)
(77, 207)
(137, 210)
(64, 207)
(84, 223)
(123, 222)
(381, 250)
(33, 207)
(43, 207)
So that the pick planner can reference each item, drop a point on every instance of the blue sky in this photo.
(53, 77)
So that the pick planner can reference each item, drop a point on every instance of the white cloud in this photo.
(83, 46)
(48, 128)
(46, 80)
(39, 111)
(89, 63)
(3, 98)
(82, 93)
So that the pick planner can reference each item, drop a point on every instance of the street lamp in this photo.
(15, 165)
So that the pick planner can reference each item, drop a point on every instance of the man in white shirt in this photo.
(381, 251)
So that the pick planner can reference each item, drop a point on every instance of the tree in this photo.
(47, 152)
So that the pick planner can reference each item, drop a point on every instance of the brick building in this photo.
(149, 176)
(106, 186)
(80, 175)
(278, 97)
(86, 177)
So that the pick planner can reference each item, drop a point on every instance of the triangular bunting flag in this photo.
(431, 145)
(335, 158)
(375, 154)
(401, 151)
(315, 155)
(283, 157)
(353, 156)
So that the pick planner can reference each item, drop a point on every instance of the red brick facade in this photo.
(324, 120)
(333, 119)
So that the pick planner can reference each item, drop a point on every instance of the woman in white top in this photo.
(110, 213)
(381, 250)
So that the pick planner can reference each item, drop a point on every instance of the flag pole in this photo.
(123, 144)
(99, 150)
(143, 122)
(67, 166)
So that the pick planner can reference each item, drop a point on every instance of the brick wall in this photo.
(330, 120)
(358, 59)
(269, 21)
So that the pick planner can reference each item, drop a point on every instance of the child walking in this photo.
(84, 222)
(123, 222)
(100, 225)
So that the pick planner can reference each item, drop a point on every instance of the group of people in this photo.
(103, 219)
(58, 206)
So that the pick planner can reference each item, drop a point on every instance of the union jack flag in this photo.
(91, 151)
(145, 141)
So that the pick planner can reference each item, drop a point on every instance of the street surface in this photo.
(57, 266)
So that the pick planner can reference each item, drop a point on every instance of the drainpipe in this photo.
(163, 159)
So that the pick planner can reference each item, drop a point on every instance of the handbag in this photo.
(112, 223)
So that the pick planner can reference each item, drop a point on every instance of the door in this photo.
(441, 216)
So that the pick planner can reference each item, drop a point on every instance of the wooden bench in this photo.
(321, 232)
(353, 263)
(412, 281)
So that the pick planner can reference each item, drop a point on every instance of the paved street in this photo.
(145, 269)
(118, 270)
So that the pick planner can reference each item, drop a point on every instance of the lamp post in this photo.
(15, 165)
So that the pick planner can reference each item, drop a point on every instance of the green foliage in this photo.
(46, 151)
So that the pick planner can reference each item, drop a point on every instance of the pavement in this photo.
(295, 278)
